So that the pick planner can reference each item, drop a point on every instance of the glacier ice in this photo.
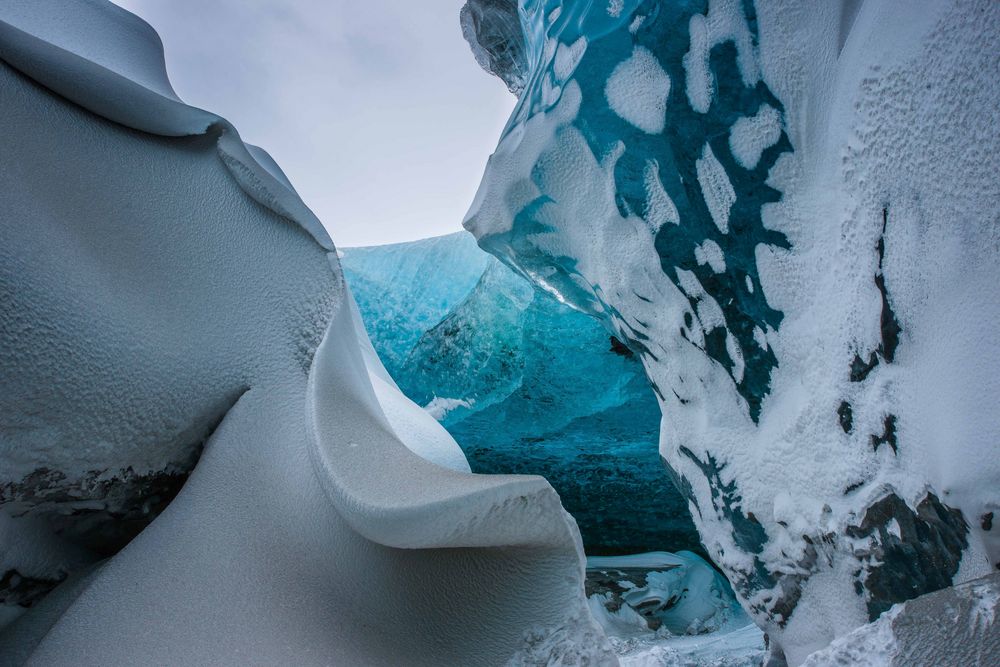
(827, 380)
(525, 385)
(494, 33)
(671, 609)
(402, 290)
(183, 370)
(678, 592)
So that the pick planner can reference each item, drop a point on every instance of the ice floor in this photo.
(740, 647)
(670, 609)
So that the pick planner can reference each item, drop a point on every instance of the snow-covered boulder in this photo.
(954, 626)
(790, 216)
(174, 322)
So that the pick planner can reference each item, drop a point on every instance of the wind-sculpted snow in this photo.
(790, 218)
(171, 314)
(525, 385)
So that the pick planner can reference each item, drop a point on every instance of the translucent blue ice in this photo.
(526, 384)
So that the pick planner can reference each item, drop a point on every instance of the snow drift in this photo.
(790, 216)
(170, 310)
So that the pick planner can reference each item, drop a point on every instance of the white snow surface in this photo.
(872, 645)
(740, 647)
(638, 89)
(953, 626)
(716, 188)
(751, 136)
(439, 407)
(723, 22)
(165, 285)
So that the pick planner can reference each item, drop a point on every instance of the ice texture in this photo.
(638, 89)
(828, 383)
(404, 289)
(527, 385)
(953, 626)
(493, 31)
(183, 370)
(679, 591)
(671, 610)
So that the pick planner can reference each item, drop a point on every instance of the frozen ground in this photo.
(737, 647)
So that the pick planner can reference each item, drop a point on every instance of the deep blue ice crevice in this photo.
(525, 384)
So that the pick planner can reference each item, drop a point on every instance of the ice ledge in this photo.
(493, 30)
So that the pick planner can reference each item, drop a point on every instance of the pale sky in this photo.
(375, 109)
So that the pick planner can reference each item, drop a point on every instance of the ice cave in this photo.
(709, 378)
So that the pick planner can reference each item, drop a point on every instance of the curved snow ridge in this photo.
(394, 497)
(390, 495)
(122, 78)
(416, 428)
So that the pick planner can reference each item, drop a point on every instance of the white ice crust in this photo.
(164, 277)
(749, 137)
(954, 626)
(716, 188)
(638, 89)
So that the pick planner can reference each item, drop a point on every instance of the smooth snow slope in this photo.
(789, 213)
(162, 287)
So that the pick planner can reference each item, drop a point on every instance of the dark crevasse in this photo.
(607, 472)
(526, 385)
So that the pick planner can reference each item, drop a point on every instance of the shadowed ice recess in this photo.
(525, 384)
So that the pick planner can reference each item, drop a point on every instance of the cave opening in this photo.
(525, 385)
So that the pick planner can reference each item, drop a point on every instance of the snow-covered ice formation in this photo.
(671, 610)
(954, 626)
(789, 214)
(174, 324)
(678, 592)
(525, 385)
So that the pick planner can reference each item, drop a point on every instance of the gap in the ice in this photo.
(525, 385)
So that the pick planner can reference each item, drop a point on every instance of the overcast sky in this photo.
(375, 109)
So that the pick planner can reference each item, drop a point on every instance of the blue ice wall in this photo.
(402, 290)
(527, 385)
